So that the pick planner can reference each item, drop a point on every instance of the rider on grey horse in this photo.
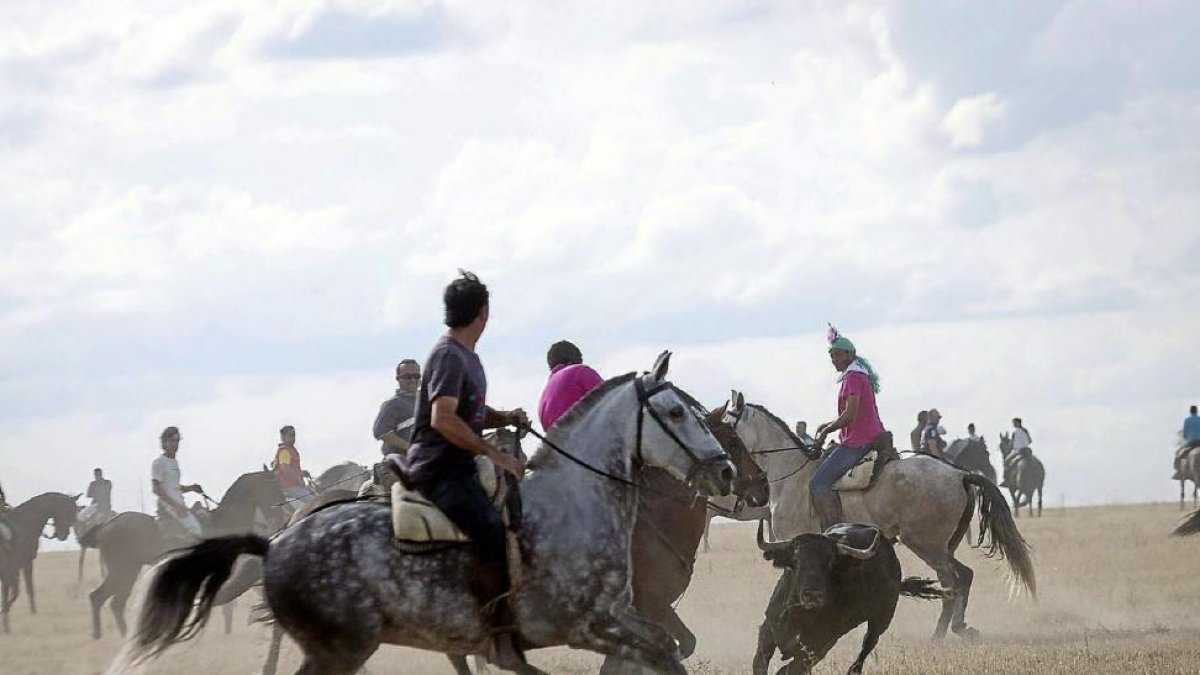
(1190, 435)
(451, 415)
(858, 419)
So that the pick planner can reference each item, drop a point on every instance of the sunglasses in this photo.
(408, 377)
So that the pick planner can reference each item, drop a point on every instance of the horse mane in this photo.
(329, 473)
(791, 435)
(577, 411)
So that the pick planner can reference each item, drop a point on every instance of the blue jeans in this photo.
(840, 460)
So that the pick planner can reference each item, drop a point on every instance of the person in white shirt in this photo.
(1021, 442)
(164, 481)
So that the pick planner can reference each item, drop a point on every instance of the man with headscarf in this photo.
(570, 380)
(858, 420)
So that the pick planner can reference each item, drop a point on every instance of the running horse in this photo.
(26, 522)
(578, 505)
(132, 540)
(925, 502)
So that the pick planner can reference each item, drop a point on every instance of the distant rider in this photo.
(394, 423)
(100, 492)
(932, 441)
(288, 471)
(451, 416)
(164, 481)
(858, 420)
(1019, 448)
(570, 380)
(1190, 435)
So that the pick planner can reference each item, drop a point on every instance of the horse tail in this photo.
(996, 525)
(248, 574)
(1189, 526)
(167, 613)
(924, 589)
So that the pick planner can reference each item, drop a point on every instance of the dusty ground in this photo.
(1117, 596)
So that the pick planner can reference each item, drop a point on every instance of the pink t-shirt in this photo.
(866, 426)
(567, 384)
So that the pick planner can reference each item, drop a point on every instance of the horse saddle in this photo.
(863, 474)
(417, 520)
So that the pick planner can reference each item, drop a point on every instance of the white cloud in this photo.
(969, 120)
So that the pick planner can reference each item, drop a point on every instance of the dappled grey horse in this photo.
(923, 501)
(340, 586)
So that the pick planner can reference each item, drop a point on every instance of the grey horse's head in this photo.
(672, 436)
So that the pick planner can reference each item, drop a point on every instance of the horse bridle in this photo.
(644, 395)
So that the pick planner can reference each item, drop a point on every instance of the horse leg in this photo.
(1016, 502)
(337, 657)
(28, 572)
(121, 591)
(766, 649)
(962, 593)
(1039, 501)
(272, 662)
(707, 523)
(459, 663)
(5, 603)
(942, 564)
(227, 613)
(685, 637)
(98, 597)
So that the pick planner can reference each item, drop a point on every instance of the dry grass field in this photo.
(1118, 595)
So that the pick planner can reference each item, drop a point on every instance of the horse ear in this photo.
(661, 364)
(76, 497)
(265, 469)
(739, 401)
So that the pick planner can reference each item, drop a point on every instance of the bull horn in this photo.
(860, 553)
(764, 545)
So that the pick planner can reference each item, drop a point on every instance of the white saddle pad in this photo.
(415, 519)
(858, 478)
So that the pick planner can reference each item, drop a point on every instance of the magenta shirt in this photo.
(866, 426)
(567, 384)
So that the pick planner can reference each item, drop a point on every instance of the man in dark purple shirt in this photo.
(451, 415)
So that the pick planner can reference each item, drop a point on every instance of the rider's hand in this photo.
(518, 418)
(512, 465)
(820, 444)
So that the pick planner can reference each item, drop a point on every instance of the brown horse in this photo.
(1023, 478)
(26, 522)
(132, 540)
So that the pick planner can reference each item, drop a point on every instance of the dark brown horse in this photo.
(1025, 477)
(26, 522)
(131, 540)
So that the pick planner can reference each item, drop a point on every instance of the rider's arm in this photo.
(157, 488)
(848, 415)
(385, 427)
(445, 420)
(495, 419)
(394, 441)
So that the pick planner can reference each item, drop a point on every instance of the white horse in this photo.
(924, 502)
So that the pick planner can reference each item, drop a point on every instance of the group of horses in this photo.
(612, 512)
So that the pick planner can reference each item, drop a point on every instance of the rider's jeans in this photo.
(465, 503)
(840, 460)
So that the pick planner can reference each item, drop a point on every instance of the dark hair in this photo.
(464, 299)
(407, 362)
(97, 470)
(563, 353)
(971, 426)
(286, 428)
(1193, 410)
(169, 431)
(1017, 421)
(923, 416)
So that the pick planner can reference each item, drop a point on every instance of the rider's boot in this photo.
(829, 510)
(491, 588)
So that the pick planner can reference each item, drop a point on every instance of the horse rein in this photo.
(732, 420)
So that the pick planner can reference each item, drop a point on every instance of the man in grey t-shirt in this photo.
(394, 423)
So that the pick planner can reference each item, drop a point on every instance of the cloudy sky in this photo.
(228, 217)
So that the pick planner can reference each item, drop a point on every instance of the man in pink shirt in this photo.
(858, 420)
(569, 381)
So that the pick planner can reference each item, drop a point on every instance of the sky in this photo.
(231, 216)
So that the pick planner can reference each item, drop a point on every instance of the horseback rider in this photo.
(569, 381)
(164, 482)
(971, 435)
(451, 415)
(1019, 448)
(394, 424)
(100, 492)
(858, 420)
(915, 434)
(1190, 435)
(286, 466)
(931, 436)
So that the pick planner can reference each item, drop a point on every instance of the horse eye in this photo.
(676, 413)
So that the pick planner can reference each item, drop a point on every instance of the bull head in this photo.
(770, 550)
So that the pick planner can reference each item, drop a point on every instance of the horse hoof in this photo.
(967, 633)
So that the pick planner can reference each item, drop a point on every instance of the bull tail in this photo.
(180, 598)
(998, 534)
(1189, 526)
(924, 589)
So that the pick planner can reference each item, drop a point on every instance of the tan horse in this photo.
(924, 502)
